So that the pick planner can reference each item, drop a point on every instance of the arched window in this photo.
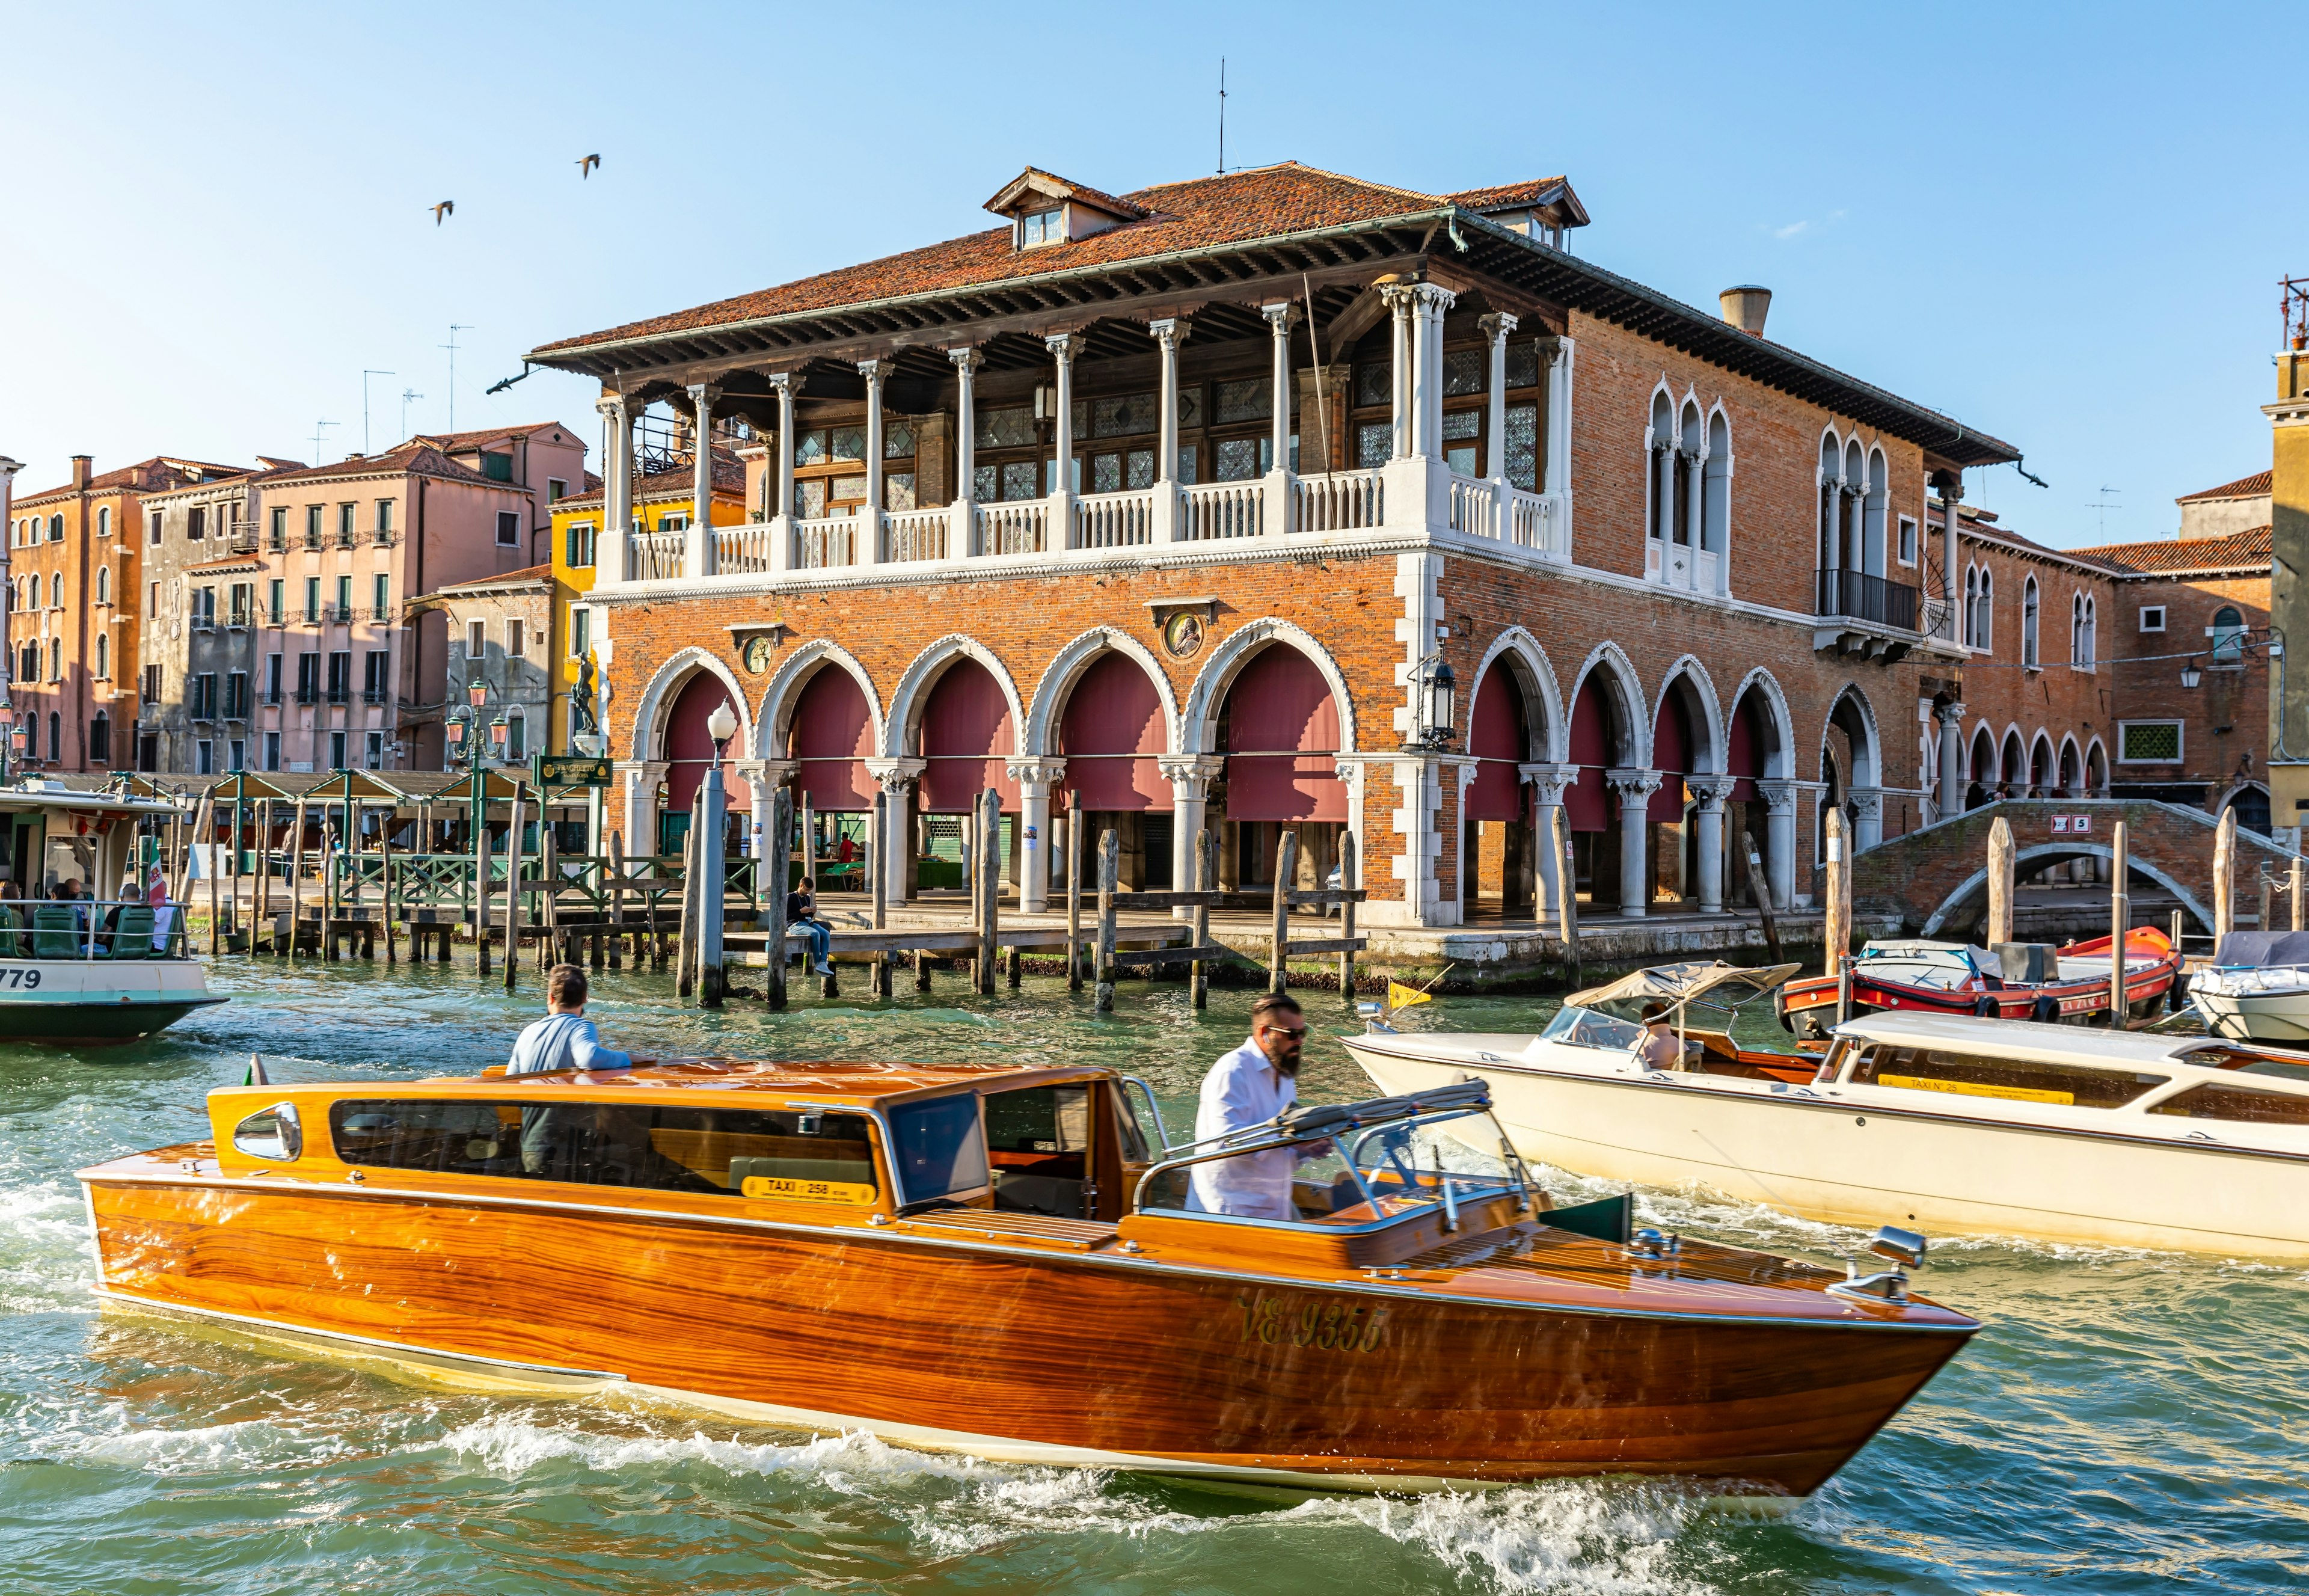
(103, 657)
(55, 660)
(516, 736)
(1716, 495)
(1971, 607)
(57, 528)
(99, 737)
(1872, 552)
(2090, 633)
(104, 522)
(1661, 525)
(55, 735)
(1985, 624)
(55, 590)
(2229, 637)
(2029, 624)
(1831, 485)
(104, 584)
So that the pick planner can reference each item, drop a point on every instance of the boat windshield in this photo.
(1591, 1028)
(1346, 1164)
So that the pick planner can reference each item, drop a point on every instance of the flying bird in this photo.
(586, 164)
(445, 208)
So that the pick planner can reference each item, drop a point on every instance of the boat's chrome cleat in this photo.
(1904, 1248)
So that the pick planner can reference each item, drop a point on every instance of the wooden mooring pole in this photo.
(1102, 967)
(1287, 872)
(2224, 877)
(514, 852)
(1999, 881)
(1074, 893)
(1835, 926)
(1567, 895)
(774, 848)
(296, 879)
(1350, 878)
(1759, 893)
(877, 860)
(1206, 875)
(989, 885)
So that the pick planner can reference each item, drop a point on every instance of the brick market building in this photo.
(1322, 436)
(73, 624)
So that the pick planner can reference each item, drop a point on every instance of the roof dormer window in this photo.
(1041, 226)
(1043, 209)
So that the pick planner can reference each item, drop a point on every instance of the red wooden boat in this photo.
(1957, 979)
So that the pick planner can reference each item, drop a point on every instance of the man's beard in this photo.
(1289, 1066)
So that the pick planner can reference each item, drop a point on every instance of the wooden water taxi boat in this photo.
(1931, 977)
(110, 966)
(1939, 1120)
(996, 1260)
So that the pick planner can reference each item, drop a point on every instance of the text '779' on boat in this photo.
(1009, 1262)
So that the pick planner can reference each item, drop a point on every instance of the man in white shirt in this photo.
(1249, 1087)
(565, 1039)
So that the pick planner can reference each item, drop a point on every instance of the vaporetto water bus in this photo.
(1944, 1122)
(111, 964)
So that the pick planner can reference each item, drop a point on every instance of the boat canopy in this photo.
(1733, 984)
(2263, 948)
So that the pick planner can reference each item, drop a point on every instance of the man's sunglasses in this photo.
(1293, 1031)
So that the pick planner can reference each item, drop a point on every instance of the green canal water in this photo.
(2130, 1421)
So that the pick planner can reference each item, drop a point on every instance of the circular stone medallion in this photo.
(1182, 634)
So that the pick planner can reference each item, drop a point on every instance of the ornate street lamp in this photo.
(2191, 673)
(1435, 706)
(721, 726)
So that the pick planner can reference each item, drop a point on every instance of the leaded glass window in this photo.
(898, 441)
(1187, 462)
(850, 488)
(1106, 473)
(1191, 407)
(1125, 415)
(810, 447)
(1522, 446)
(1245, 402)
(984, 483)
(898, 491)
(1464, 371)
(1372, 385)
(809, 499)
(1010, 428)
(1374, 443)
(850, 443)
(1019, 479)
(1523, 365)
(1461, 458)
(1237, 459)
(1463, 423)
(1138, 469)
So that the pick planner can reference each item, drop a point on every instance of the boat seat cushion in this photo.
(132, 933)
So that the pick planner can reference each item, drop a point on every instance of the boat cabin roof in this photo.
(2044, 1044)
(853, 1083)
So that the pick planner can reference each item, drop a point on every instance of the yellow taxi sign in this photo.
(807, 1191)
(1399, 996)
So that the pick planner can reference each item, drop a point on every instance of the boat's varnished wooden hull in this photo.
(1074, 1355)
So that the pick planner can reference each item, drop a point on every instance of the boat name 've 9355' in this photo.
(1944, 1122)
(109, 965)
(996, 1260)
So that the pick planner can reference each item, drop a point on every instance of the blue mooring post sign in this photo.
(571, 770)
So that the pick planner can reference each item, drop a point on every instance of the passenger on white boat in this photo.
(156, 896)
(1250, 1087)
(1660, 1049)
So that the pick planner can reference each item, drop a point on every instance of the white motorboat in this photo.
(2257, 987)
(107, 965)
(1988, 1126)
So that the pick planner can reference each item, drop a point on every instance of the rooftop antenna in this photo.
(1222, 115)
(317, 426)
(364, 376)
(2104, 506)
(451, 347)
(406, 396)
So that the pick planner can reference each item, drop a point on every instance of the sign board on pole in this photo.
(571, 770)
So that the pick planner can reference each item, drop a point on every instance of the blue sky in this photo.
(2062, 224)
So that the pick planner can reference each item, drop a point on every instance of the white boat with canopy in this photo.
(2257, 987)
(89, 953)
(1937, 1121)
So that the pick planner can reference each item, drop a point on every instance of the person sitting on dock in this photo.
(565, 1039)
(802, 914)
(1250, 1087)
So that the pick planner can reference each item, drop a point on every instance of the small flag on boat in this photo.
(256, 1075)
(1399, 996)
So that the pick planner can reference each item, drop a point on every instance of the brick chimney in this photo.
(82, 470)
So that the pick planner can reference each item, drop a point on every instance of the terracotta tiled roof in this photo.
(2251, 487)
(230, 562)
(535, 573)
(416, 458)
(1098, 199)
(1507, 196)
(2239, 550)
(1985, 531)
(458, 442)
(728, 479)
(156, 475)
(1231, 208)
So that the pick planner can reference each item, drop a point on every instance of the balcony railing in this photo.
(203, 623)
(338, 615)
(340, 695)
(1857, 596)
(243, 540)
(1222, 510)
(346, 537)
(1018, 527)
(917, 535)
(308, 695)
(1340, 501)
(1113, 520)
(241, 621)
(657, 556)
(312, 539)
(375, 695)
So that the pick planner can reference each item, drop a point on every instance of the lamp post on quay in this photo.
(713, 829)
(467, 741)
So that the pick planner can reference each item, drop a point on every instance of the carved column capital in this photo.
(1634, 786)
(875, 369)
(1949, 714)
(895, 776)
(1867, 802)
(1170, 332)
(1283, 316)
(1192, 775)
(611, 407)
(1065, 347)
(1433, 296)
(1496, 326)
(1549, 781)
(1044, 773)
(1713, 792)
(967, 357)
(1779, 796)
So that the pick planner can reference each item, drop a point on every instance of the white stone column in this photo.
(1168, 332)
(1634, 789)
(1559, 354)
(1036, 778)
(1834, 487)
(1431, 301)
(1711, 792)
(1496, 326)
(1190, 776)
(697, 552)
(1548, 783)
(1950, 718)
(782, 519)
(963, 540)
(1063, 347)
(613, 550)
(870, 532)
(1952, 486)
(643, 779)
(1695, 535)
(896, 779)
(1396, 298)
(1867, 817)
(1780, 825)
